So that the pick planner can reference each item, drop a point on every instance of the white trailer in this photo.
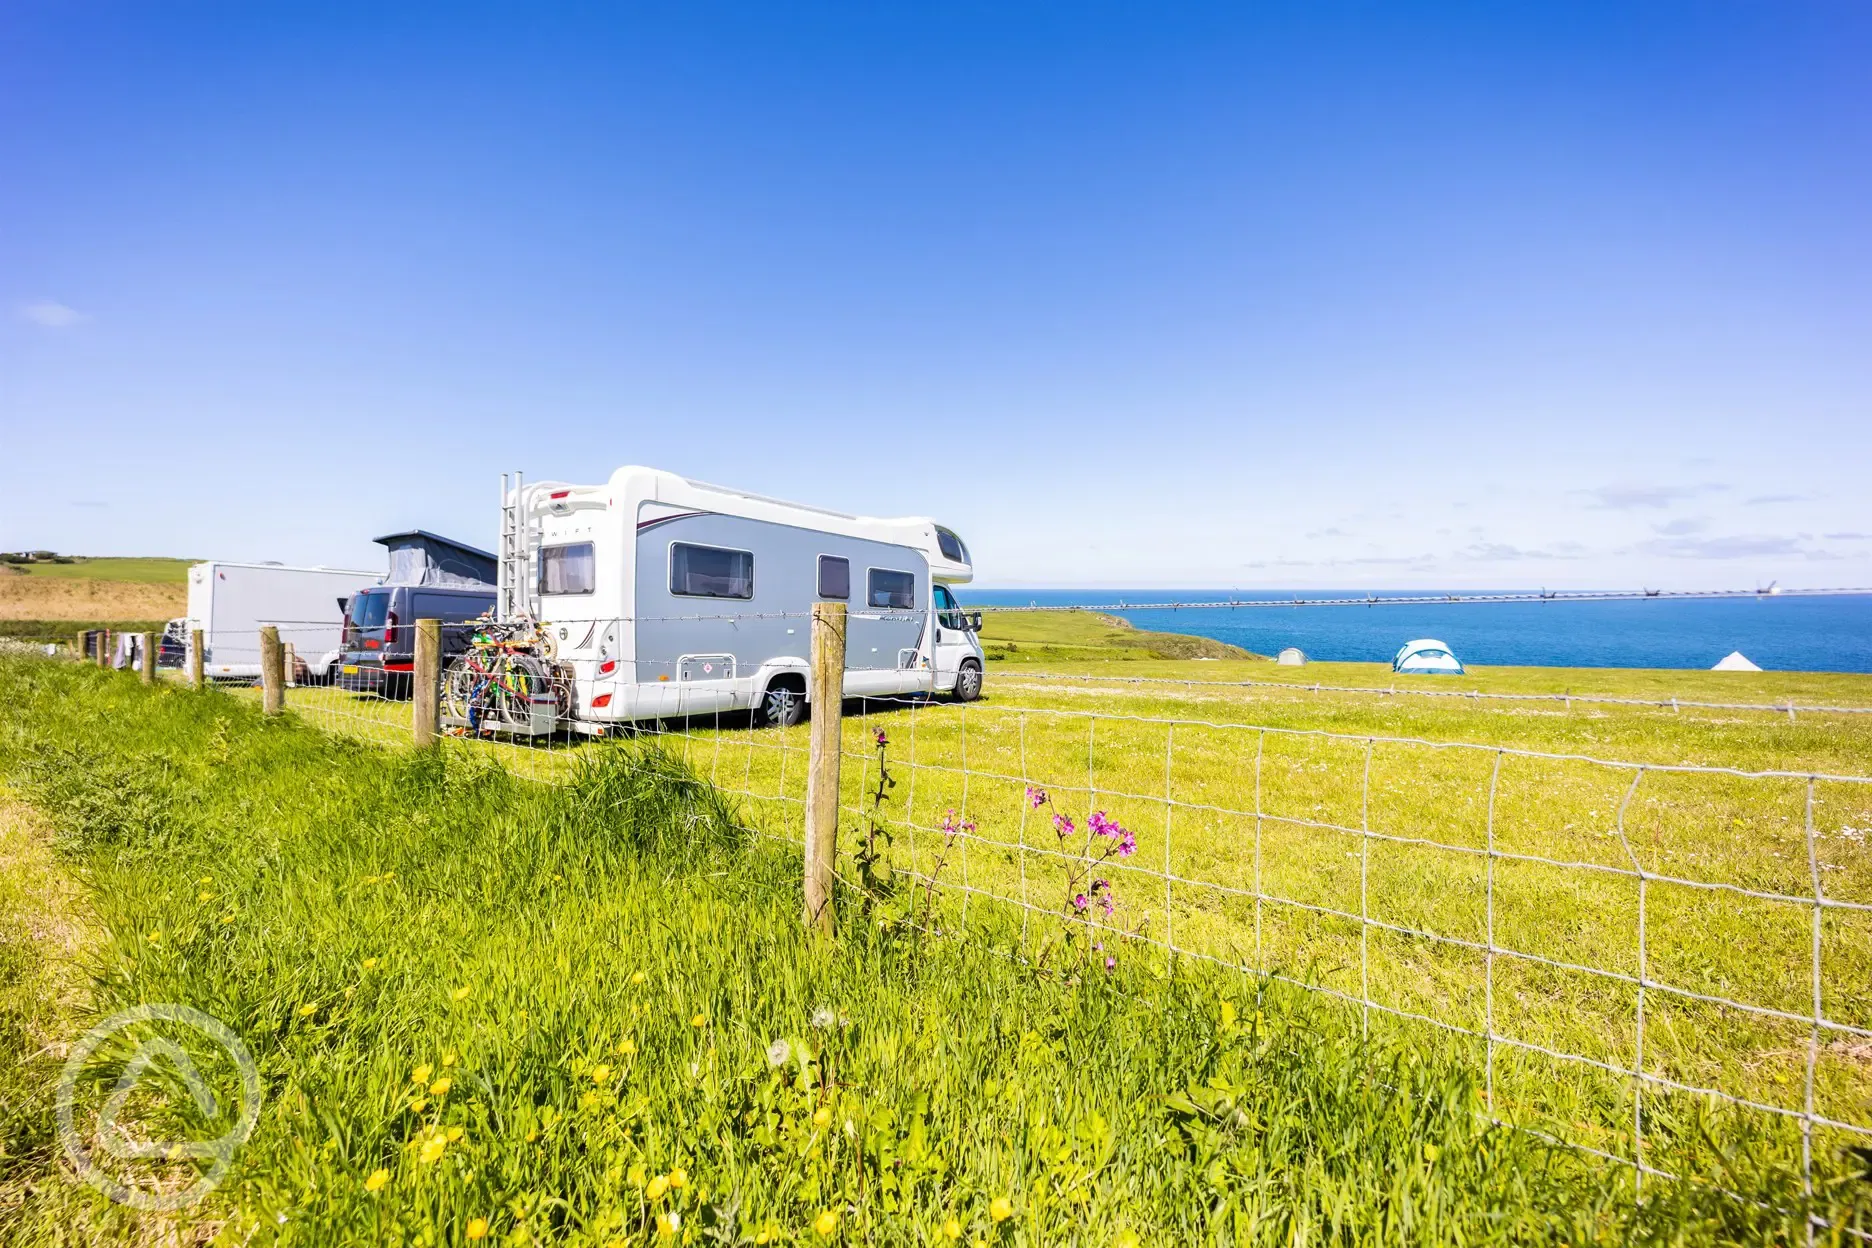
(663, 597)
(230, 602)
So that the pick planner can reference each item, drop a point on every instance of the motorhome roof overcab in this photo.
(668, 597)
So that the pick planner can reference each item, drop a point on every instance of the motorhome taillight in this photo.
(603, 699)
(389, 628)
(558, 494)
(607, 667)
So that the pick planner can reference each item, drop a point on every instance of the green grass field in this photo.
(1284, 891)
(1051, 636)
(484, 1005)
(148, 571)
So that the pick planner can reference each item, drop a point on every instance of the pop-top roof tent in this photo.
(1429, 656)
(420, 557)
(1291, 656)
(1735, 661)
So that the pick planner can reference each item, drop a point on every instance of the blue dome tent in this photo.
(1427, 656)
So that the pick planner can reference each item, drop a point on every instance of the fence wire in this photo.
(1635, 950)
(1788, 707)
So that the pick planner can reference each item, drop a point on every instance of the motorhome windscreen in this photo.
(710, 572)
(568, 569)
(885, 588)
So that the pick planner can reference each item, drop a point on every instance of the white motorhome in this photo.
(670, 597)
(230, 602)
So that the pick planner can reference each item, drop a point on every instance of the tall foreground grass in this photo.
(591, 981)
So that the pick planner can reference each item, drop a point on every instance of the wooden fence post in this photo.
(425, 681)
(146, 652)
(103, 648)
(195, 675)
(291, 662)
(78, 647)
(822, 774)
(272, 672)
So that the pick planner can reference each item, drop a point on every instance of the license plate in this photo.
(349, 669)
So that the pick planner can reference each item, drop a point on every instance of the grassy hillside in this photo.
(584, 1014)
(1051, 636)
(59, 598)
(141, 571)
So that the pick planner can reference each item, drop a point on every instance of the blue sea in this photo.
(1779, 634)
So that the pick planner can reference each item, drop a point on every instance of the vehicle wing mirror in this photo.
(972, 621)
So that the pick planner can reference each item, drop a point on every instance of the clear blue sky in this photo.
(1236, 295)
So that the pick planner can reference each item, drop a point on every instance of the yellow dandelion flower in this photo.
(637, 977)
(625, 1047)
(760, 1236)
(821, 1116)
(826, 1222)
(421, 1073)
(952, 1227)
(369, 964)
(454, 1133)
(461, 993)
(1000, 1208)
(1127, 1238)
(204, 895)
(155, 937)
(440, 1087)
(308, 1009)
(679, 1177)
(432, 1149)
(449, 1059)
(417, 1105)
(477, 1228)
(668, 1223)
(600, 1073)
(588, 1100)
(227, 918)
(700, 1020)
(657, 1187)
(377, 1179)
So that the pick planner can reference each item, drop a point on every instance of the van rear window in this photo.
(568, 569)
(370, 610)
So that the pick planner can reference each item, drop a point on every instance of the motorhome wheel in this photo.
(968, 684)
(782, 707)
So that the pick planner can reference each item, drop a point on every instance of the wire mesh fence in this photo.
(1647, 959)
(1789, 707)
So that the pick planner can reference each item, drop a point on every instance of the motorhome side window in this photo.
(951, 546)
(568, 569)
(710, 572)
(834, 577)
(885, 588)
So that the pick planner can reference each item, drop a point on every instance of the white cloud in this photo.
(1629, 497)
(52, 314)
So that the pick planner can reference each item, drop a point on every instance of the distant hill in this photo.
(41, 597)
(140, 570)
(1032, 635)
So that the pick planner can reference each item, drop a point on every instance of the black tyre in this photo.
(781, 707)
(968, 684)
